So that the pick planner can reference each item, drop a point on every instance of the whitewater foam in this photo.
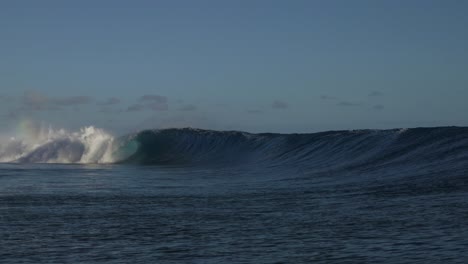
(88, 145)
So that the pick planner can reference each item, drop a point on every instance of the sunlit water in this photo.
(158, 214)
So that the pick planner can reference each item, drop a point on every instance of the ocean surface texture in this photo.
(200, 196)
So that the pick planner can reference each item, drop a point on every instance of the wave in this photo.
(422, 149)
(336, 150)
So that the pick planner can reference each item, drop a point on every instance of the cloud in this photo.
(36, 101)
(158, 106)
(348, 103)
(189, 107)
(327, 97)
(150, 102)
(279, 105)
(154, 102)
(109, 110)
(153, 98)
(111, 101)
(375, 93)
(136, 108)
(378, 107)
(254, 111)
(71, 101)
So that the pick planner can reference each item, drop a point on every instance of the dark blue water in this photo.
(189, 196)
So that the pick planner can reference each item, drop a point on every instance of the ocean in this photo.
(201, 196)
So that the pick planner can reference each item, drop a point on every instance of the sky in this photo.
(258, 66)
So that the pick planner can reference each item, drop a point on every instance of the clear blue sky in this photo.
(277, 66)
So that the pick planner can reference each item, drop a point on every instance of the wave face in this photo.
(418, 149)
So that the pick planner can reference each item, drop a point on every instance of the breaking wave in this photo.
(422, 149)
